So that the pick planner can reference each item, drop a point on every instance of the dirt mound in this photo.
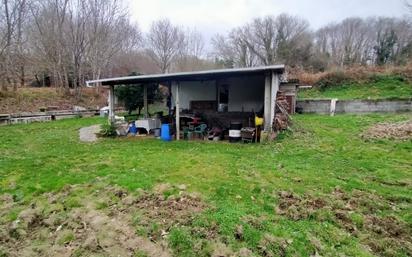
(356, 213)
(177, 210)
(156, 214)
(400, 131)
(296, 207)
(78, 221)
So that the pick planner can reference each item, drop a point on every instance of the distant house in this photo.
(219, 95)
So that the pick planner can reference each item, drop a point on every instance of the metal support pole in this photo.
(267, 103)
(274, 91)
(146, 110)
(111, 104)
(177, 111)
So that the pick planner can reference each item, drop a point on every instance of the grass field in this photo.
(322, 190)
(380, 87)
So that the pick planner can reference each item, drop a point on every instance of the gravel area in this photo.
(88, 134)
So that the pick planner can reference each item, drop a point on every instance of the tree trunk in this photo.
(22, 74)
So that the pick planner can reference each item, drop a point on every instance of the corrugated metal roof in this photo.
(188, 76)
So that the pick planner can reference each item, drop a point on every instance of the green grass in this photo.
(240, 182)
(378, 87)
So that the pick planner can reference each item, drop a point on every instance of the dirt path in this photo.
(88, 134)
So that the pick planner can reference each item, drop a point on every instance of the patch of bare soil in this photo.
(399, 130)
(383, 235)
(296, 207)
(102, 222)
(168, 212)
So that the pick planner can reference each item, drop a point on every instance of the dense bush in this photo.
(132, 95)
(332, 79)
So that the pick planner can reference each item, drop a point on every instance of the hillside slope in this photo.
(33, 99)
(377, 87)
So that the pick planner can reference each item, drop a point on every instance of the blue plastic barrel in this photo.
(165, 132)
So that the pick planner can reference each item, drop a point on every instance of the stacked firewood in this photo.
(282, 119)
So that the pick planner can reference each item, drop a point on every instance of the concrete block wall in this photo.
(314, 106)
(354, 106)
(365, 106)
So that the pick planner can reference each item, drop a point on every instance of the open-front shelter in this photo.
(229, 91)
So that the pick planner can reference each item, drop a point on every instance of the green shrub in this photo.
(108, 130)
(132, 95)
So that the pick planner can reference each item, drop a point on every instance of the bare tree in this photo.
(12, 15)
(109, 33)
(48, 37)
(77, 43)
(266, 41)
(260, 37)
(293, 40)
(191, 53)
(233, 50)
(164, 41)
(74, 39)
(368, 41)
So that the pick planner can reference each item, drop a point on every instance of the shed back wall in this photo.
(245, 93)
(194, 91)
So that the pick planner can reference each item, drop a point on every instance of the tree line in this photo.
(65, 42)
(289, 39)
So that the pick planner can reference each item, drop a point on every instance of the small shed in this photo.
(221, 95)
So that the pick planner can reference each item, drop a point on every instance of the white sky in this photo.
(218, 16)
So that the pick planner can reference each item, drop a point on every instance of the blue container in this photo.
(165, 133)
(132, 128)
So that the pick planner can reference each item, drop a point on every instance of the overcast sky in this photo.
(218, 16)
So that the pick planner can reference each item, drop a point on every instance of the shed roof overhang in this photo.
(189, 76)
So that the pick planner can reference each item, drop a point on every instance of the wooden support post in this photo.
(111, 104)
(267, 103)
(177, 85)
(146, 110)
(274, 88)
